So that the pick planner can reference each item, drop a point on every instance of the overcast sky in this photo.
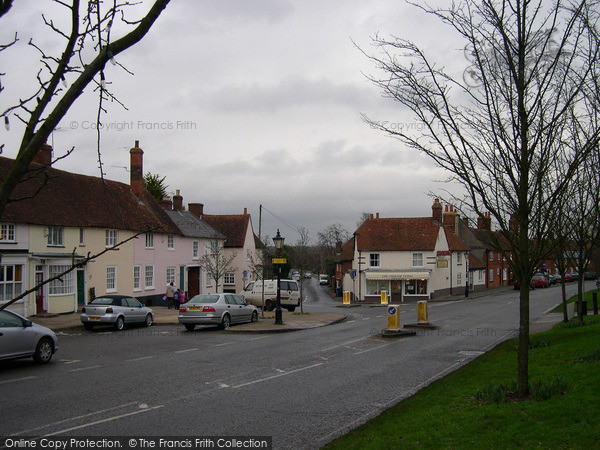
(247, 102)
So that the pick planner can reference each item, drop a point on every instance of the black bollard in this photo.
(595, 297)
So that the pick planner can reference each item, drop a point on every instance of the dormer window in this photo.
(7, 232)
(149, 239)
(55, 236)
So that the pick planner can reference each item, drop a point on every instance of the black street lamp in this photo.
(278, 242)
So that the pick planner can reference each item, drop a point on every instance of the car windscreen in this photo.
(204, 299)
(105, 301)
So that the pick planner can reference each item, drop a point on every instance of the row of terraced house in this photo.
(63, 218)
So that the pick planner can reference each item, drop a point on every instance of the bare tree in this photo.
(215, 262)
(302, 260)
(499, 130)
(42, 109)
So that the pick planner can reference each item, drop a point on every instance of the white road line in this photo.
(109, 419)
(276, 376)
(141, 358)
(374, 348)
(345, 344)
(187, 350)
(350, 321)
(53, 424)
(85, 368)
(224, 343)
(365, 318)
(70, 361)
(260, 337)
(16, 379)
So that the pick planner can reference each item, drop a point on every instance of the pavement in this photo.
(291, 321)
(164, 316)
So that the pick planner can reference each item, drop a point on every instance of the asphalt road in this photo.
(303, 388)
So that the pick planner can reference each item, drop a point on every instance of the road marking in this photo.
(188, 350)
(374, 348)
(109, 419)
(350, 321)
(470, 353)
(223, 385)
(366, 318)
(70, 361)
(141, 358)
(224, 343)
(345, 344)
(85, 368)
(17, 379)
(21, 433)
(260, 337)
(276, 376)
(280, 370)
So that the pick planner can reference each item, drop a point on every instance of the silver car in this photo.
(21, 338)
(116, 310)
(216, 309)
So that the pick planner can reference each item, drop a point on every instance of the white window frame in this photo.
(149, 240)
(491, 256)
(505, 274)
(214, 247)
(7, 232)
(480, 276)
(229, 279)
(170, 242)
(459, 258)
(196, 250)
(110, 239)
(63, 286)
(415, 259)
(16, 286)
(111, 279)
(459, 279)
(171, 271)
(55, 237)
(491, 275)
(149, 277)
(374, 260)
(81, 236)
(137, 280)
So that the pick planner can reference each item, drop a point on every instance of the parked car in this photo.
(115, 310)
(568, 277)
(540, 281)
(557, 277)
(551, 279)
(216, 309)
(307, 274)
(517, 285)
(323, 279)
(21, 338)
(288, 291)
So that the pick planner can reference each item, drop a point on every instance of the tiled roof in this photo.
(475, 263)
(404, 234)
(192, 226)
(74, 200)
(234, 227)
(348, 250)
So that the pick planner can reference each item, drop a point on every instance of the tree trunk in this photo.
(523, 355)
(564, 301)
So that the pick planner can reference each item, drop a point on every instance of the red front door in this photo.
(39, 294)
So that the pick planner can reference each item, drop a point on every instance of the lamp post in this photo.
(278, 262)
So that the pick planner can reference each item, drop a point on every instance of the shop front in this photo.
(401, 286)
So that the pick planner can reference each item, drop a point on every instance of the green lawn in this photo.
(447, 414)
(588, 296)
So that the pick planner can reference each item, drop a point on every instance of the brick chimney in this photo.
(196, 209)
(44, 155)
(377, 215)
(166, 203)
(245, 211)
(177, 201)
(484, 222)
(136, 171)
(450, 217)
(436, 210)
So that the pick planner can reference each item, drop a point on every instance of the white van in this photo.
(289, 292)
(323, 279)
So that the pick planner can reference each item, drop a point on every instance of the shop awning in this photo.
(400, 275)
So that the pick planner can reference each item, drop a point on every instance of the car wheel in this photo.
(88, 326)
(43, 351)
(291, 309)
(254, 316)
(269, 306)
(225, 322)
(120, 323)
(149, 320)
(190, 326)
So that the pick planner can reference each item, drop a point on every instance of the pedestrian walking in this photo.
(170, 294)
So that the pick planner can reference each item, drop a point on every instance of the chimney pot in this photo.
(177, 201)
(136, 157)
(245, 211)
(44, 155)
(377, 216)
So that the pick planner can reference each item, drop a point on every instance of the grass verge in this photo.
(456, 412)
(588, 297)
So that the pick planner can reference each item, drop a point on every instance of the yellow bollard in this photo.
(346, 298)
(422, 312)
(384, 298)
(393, 318)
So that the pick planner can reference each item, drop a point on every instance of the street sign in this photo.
(279, 260)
